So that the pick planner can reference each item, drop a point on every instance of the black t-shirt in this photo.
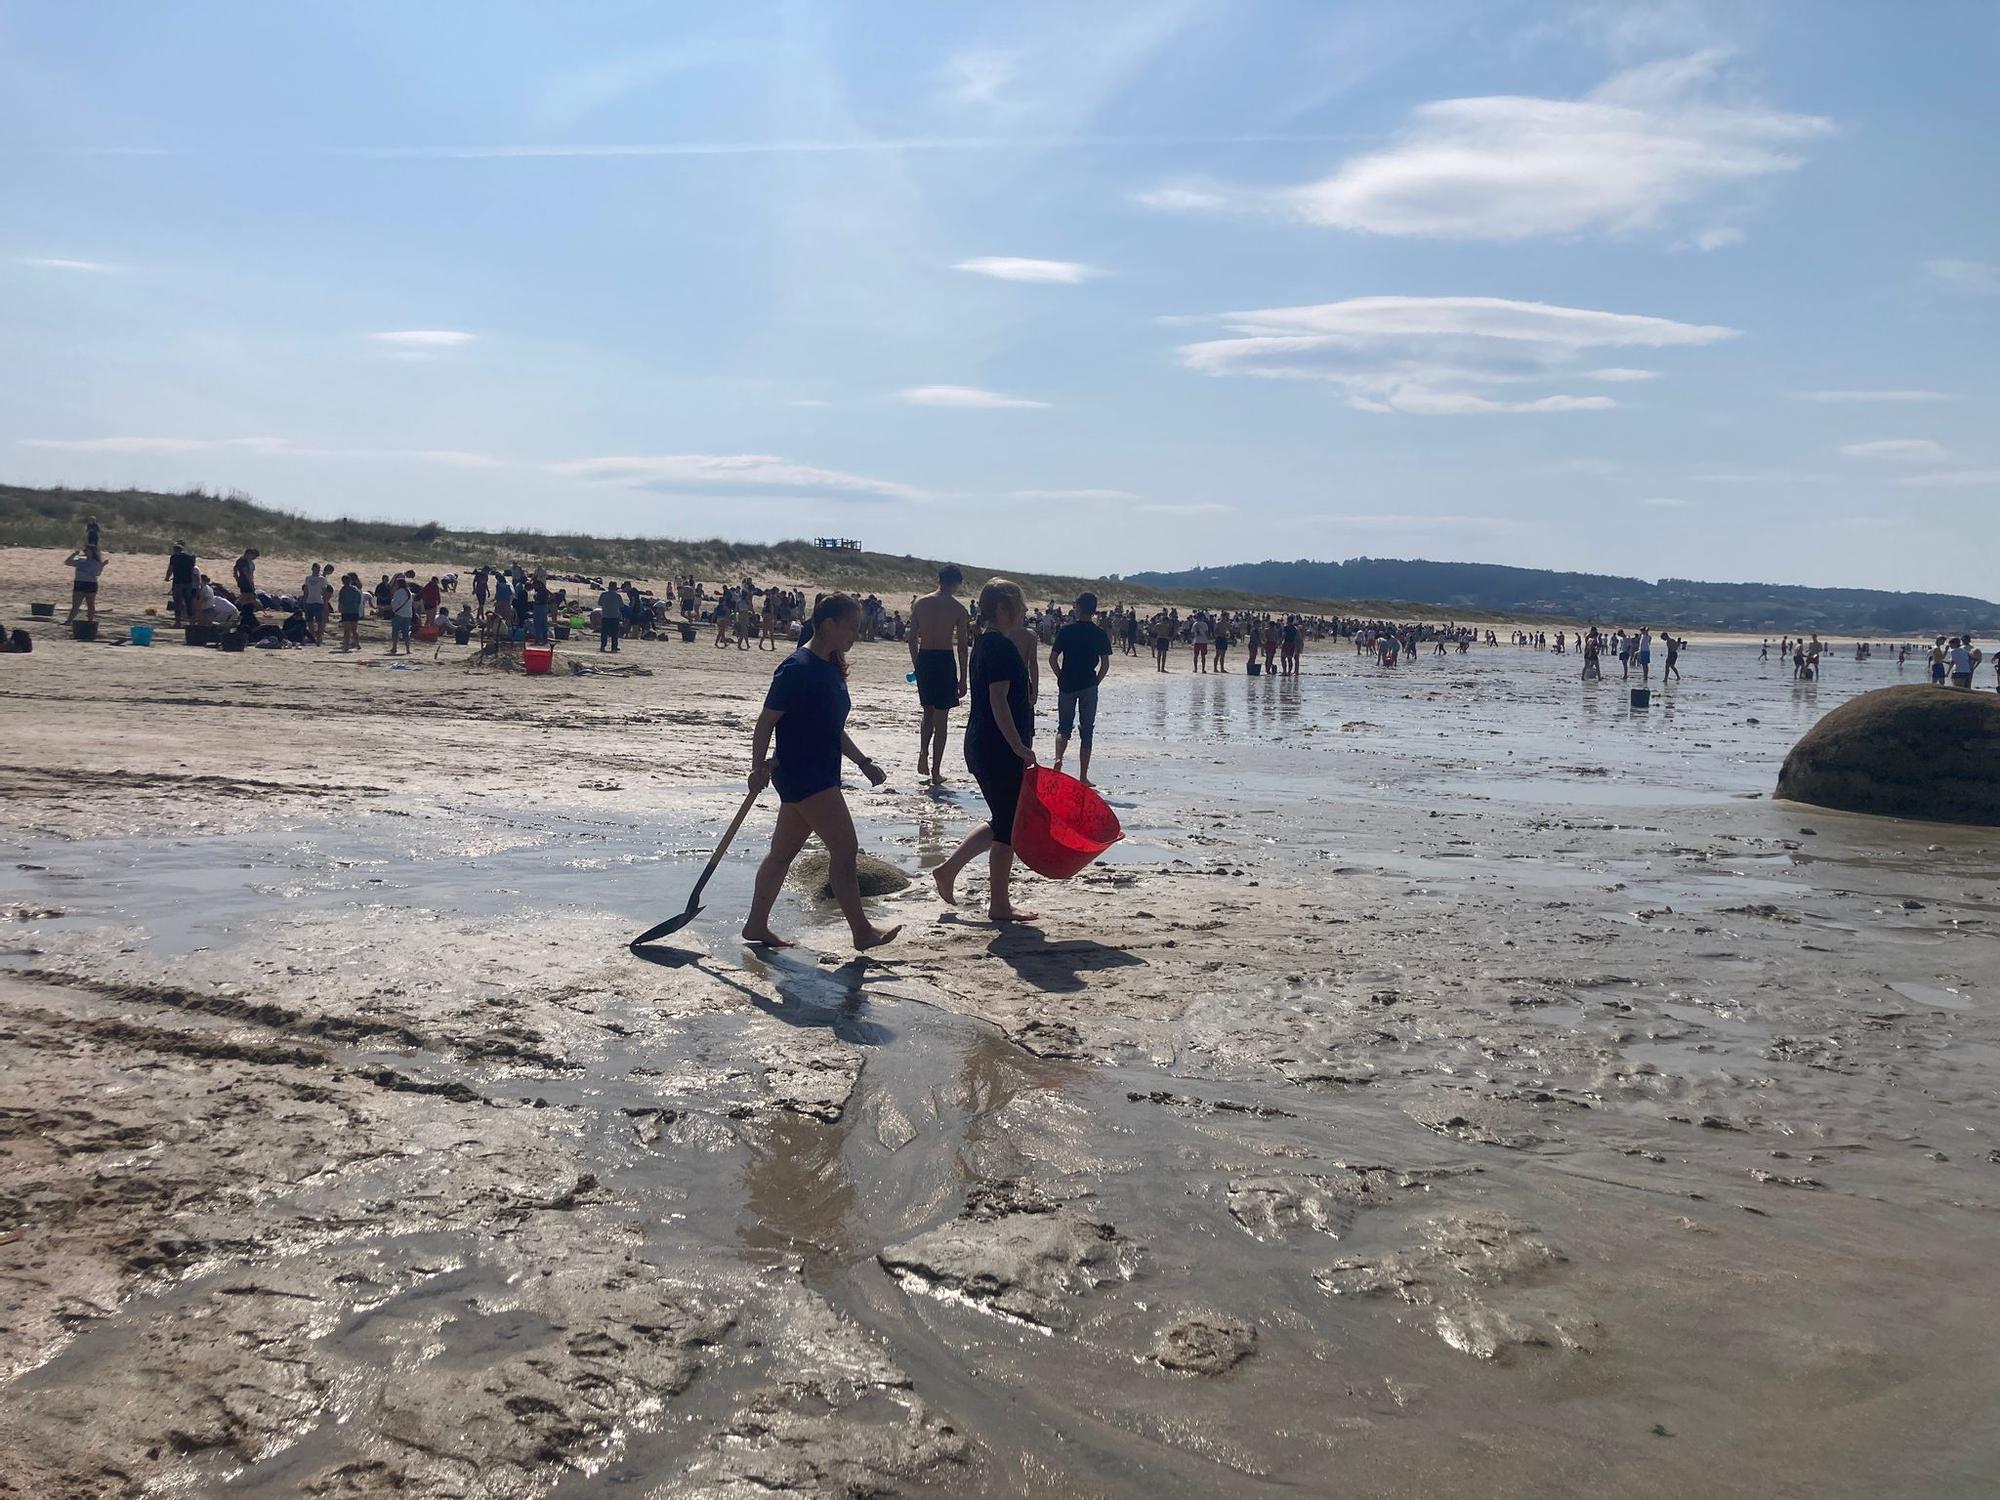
(1083, 645)
(181, 566)
(812, 695)
(996, 659)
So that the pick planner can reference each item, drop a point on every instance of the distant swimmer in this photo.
(940, 651)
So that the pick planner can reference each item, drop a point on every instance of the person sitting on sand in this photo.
(805, 711)
(999, 728)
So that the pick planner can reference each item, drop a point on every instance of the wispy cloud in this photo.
(967, 397)
(1619, 375)
(854, 146)
(1900, 450)
(59, 263)
(977, 75)
(1435, 355)
(1084, 495)
(1415, 523)
(696, 473)
(1965, 275)
(266, 446)
(424, 338)
(1957, 479)
(1021, 268)
(1646, 143)
(1719, 238)
(1835, 397)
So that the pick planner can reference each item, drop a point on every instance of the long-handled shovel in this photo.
(677, 922)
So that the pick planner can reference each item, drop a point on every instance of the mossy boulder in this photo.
(1903, 752)
(811, 872)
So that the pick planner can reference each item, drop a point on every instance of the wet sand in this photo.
(1458, 1082)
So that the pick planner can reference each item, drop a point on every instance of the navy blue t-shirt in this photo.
(995, 658)
(812, 695)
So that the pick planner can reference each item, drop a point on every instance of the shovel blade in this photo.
(671, 925)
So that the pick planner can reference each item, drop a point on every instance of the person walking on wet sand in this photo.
(805, 711)
(1080, 658)
(940, 650)
(999, 729)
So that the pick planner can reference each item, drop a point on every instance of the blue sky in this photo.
(1665, 289)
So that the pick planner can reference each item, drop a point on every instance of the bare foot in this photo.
(1009, 914)
(763, 937)
(945, 886)
(937, 778)
(876, 937)
(1087, 781)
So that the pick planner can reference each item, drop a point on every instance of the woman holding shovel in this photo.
(806, 712)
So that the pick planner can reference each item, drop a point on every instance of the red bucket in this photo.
(537, 659)
(1061, 825)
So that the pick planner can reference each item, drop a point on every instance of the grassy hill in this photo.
(217, 526)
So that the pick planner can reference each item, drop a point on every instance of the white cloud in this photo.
(1021, 268)
(978, 74)
(1184, 197)
(1720, 238)
(1617, 375)
(424, 338)
(1435, 355)
(967, 397)
(1853, 396)
(272, 446)
(1416, 523)
(729, 472)
(57, 263)
(1647, 142)
(1899, 450)
(1965, 275)
(1957, 479)
(1087, 495)
(1207, 509)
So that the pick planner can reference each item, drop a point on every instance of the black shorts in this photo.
(937, 679)
(88, 590)
(998, 770)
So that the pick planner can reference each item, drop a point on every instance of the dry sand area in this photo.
(1458, 1083)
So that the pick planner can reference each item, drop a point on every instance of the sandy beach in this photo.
(1457, 1082)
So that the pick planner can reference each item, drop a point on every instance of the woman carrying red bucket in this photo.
(1000, 755)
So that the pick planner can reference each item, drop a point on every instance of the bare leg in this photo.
(927, 728)
(939, 732)
(976, 843)
(827, 813)
(787, 839)
(1000, 867)
(1082, 764)
(1062, 749)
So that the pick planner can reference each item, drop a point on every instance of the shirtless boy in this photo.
(940, 650)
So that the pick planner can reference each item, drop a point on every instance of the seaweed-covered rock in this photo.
(1904, 752)
(813, 872)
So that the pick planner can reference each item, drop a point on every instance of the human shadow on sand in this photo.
(808, 995)
(1056, 968)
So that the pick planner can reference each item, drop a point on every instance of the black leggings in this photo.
(998, 770)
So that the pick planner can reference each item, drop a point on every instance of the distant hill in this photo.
(1677, 602)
